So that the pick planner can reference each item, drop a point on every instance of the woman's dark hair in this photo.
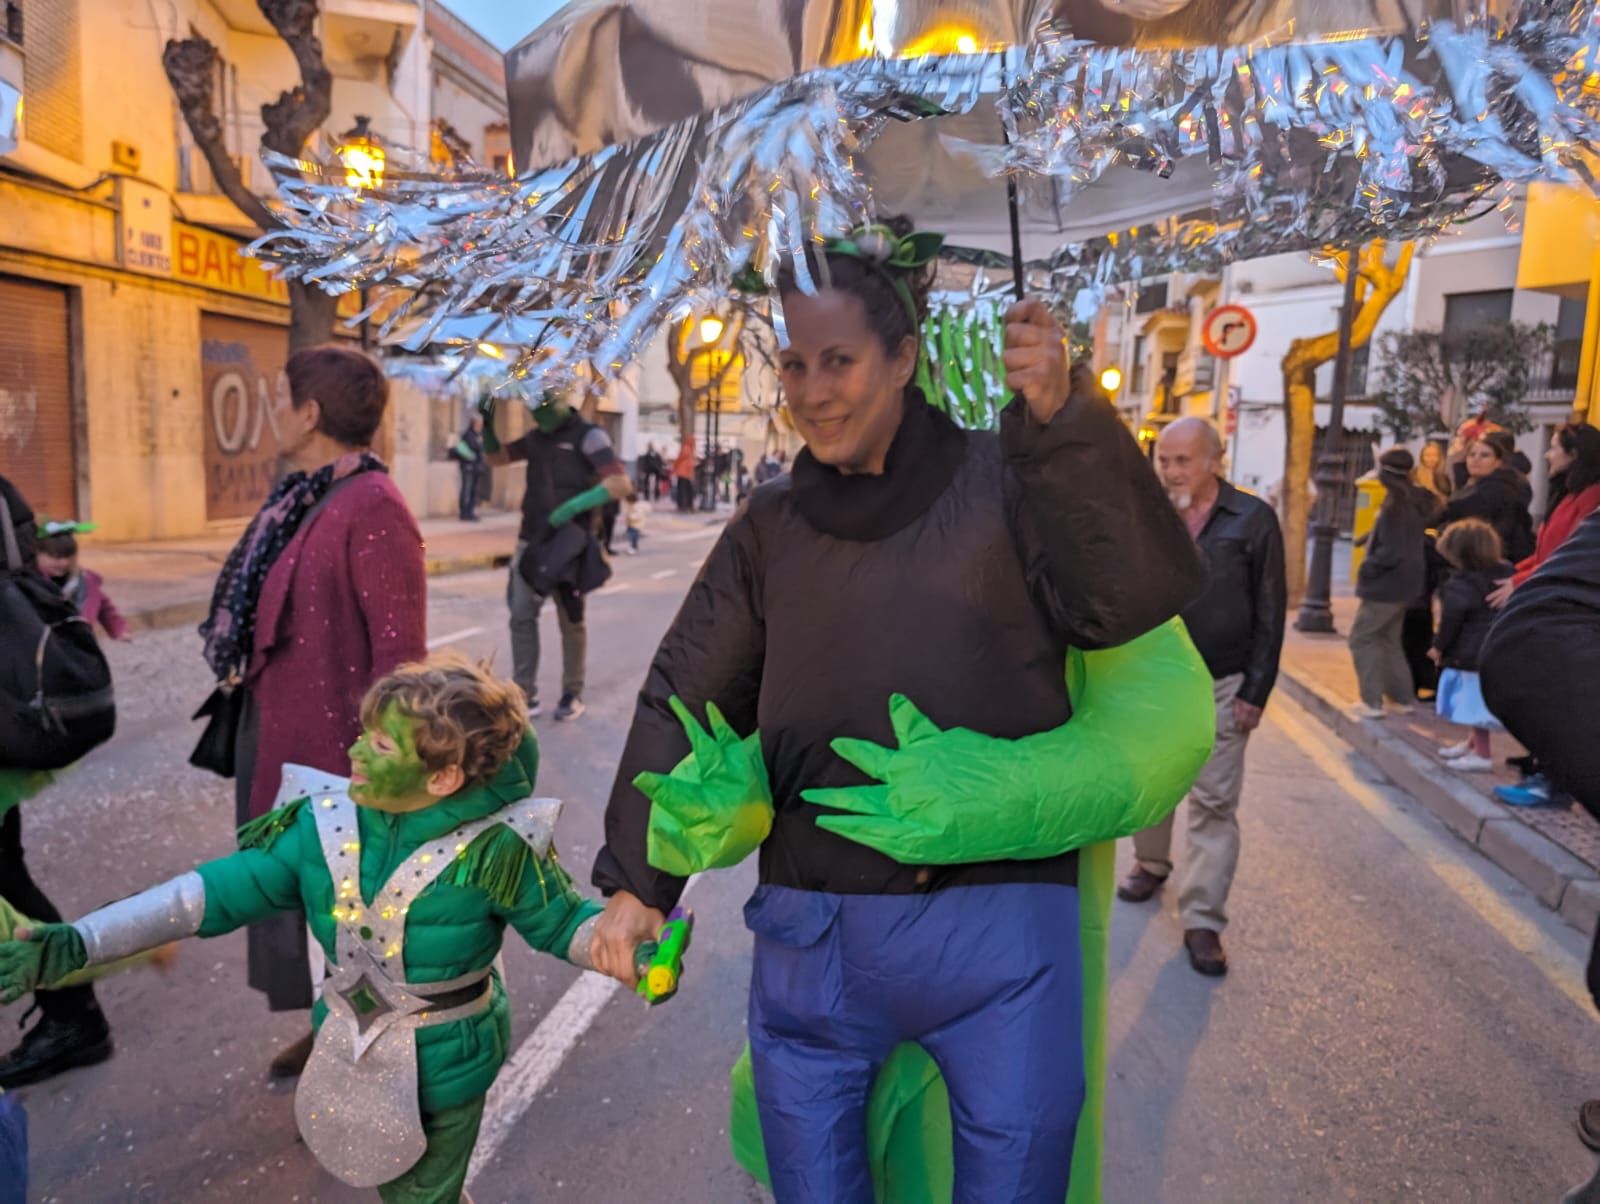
(872, 284)
(63, 545)
(1503, 443)
(347, 384)
(1582, 442)
(1471, 543)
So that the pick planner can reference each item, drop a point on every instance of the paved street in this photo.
(1403, 1022)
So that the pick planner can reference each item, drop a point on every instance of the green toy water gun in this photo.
(659, 963)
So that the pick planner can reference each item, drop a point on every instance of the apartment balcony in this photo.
(351, 29)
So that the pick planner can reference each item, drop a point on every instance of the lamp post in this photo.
(1316, 608)
(711, 328)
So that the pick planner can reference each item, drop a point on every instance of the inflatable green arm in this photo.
(1142, 728)
(715, 808)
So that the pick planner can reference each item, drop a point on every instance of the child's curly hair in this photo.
(464, 714)
(1470, 543)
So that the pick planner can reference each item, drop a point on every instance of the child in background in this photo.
(1472, 549)
(637, 510)
(84, 588)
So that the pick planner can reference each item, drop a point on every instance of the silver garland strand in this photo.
(576, 266)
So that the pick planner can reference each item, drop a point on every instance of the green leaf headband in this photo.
(46, 527)
(887, 253)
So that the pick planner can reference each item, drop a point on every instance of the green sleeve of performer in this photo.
(491, 441)
(259, 880)
(715, 808)
(548, 909)
(1142, 728)
(597, 495)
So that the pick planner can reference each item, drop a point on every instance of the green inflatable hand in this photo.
(1143, 725)
(596, 495)
(51, 952)
(715, 808)
(491, 441)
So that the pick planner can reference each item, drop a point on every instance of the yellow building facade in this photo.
(1560, 254)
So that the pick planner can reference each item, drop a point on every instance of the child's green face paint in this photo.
(386, 773)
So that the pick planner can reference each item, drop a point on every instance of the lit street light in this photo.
(1111, 379)
(710, 329)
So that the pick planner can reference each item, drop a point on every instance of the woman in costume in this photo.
(899, 608)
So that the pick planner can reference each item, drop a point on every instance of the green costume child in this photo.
(409, 873)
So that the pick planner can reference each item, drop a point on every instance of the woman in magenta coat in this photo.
(324, 594)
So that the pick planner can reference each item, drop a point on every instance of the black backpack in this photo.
(55, 686)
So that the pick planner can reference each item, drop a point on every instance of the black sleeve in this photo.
(1385, 546)
(1271, 604)
(1471, 502)
(21, 522)
(713, 652)
(1104, 550)
(1452, 614)
(517, 449)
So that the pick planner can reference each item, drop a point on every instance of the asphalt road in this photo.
(1402, 1021)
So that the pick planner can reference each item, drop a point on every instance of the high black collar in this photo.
(923, 458)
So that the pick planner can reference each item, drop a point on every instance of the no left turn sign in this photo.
(1228, 331)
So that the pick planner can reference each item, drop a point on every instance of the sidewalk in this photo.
(1553, 851)
(167, 583)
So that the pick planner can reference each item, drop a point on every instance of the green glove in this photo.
(597, 495)
(51, 953)
(491, 441)
(715, 808)
(1143, 725)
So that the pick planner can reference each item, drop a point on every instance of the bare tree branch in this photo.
(300, 112)
(191, 67)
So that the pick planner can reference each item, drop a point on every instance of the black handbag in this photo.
(219, 743)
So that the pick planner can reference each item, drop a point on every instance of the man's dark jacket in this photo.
(1237, 624)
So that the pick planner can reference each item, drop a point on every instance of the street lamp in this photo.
(362, 154)
(710, 329)
(1111, 379)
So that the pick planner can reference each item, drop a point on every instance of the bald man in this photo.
(1237, 624)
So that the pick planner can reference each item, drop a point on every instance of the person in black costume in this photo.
(904, 555)
(71, 1030)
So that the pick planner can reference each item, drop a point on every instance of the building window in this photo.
(1569, 344)
(12, 29)
(1205, 372)
(1465, 312)
(1151, 298)
(1167, 402)
(1136, 386)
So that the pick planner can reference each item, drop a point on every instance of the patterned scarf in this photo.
(229, 630)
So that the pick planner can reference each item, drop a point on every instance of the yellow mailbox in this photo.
(1369, 497)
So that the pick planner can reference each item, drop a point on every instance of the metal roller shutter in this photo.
(36, 446)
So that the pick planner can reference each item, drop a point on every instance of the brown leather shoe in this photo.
(1205, 951)
(292, 1060)
(1139, 885)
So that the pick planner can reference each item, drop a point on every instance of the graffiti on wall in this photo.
(242, 382)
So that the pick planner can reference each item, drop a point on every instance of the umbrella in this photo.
(668, 156)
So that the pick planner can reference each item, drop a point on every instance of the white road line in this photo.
(1464, 878)
(439, 641)
(537, 1059)
(662, 574)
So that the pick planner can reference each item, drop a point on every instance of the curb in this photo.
(192, 611)
(1558, 879)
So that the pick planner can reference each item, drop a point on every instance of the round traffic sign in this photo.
(1228, 331)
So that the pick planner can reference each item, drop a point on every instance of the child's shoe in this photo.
(1453, 752)
(1472, 763)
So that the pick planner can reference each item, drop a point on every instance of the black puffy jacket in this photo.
(1500, 499)
(1465, 615)
(1540, 665)
(958, 577)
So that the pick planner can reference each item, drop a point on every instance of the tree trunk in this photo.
(1300, 429)
(312, 314)
(1376, 286)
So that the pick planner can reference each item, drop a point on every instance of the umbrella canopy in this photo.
(1139, 153)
